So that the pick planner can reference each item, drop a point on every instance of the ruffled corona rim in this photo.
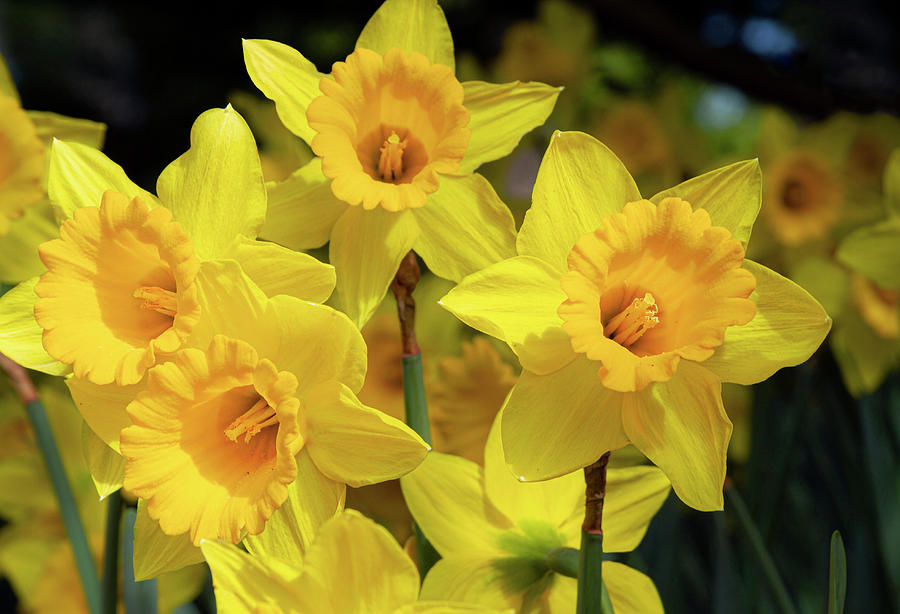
(652, 285)
(387, 125)
(876, 305)
(119, 290)
(21, 163)
(213, 442)
(803, 199)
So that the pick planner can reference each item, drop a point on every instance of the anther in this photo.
(252, 421)
(390, 163)
(157, 299)
(631, 323)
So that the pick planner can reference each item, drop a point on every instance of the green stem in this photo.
(593, 597)
(110, 582)
(759, 549)
(414, 398)
(139, 597)
(564, 561)
(84, 560)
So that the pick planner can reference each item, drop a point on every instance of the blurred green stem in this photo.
(68, 509)
(413, 380)
(592, 595)
(110, 581)
(139, 597)
(759, 549)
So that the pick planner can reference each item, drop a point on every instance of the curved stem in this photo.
(139, 597)
(84, 560)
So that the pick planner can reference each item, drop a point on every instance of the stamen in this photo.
(631, 323)
(390, 164)
(157, 299)
(252, 421)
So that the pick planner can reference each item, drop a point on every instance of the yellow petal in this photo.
(20, 334)
(682, 427)
(579, 183)
(873, 251)
(180, 587)
(216, 189)
(107, 467)
(411, 25)
(313, 499)
(155, 552)
(732, 195)
(18, 249)
(79, 175)
(553, 501)
(501, 113)
(516, 300)
(464, 228)
(302, 209)
(630, 591)
(557, 423)
(438, 607)
(563, 594)
(378, 578)
(278, 270)
(471, 578)
(7, 86)
(243, 583)
(446, 497)
(788, 327)
(285, 77)
(53, 125)
(366, 249)
(826, 280)
(103, 406)
(355, 444)
(892, 184)
(230, 304)
(633, 496)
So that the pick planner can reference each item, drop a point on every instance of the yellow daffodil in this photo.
(121, 274)
(627, 314)
(218, 433)
(494, 532)
(398, 139)
(466, 394)
(25, 215)
(353, 566)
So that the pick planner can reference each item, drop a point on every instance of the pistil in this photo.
(157, 299)
(390, 164)
(252, 421)
(631, 323)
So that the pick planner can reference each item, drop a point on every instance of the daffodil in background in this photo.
(26, 218)
(397, 139)
(495, 532)
(630, 313)
(377, 578)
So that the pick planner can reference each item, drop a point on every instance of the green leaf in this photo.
(216, 189)
(837, 575)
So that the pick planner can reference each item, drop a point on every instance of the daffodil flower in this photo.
(353, 565)
(26, 218)
(398, 139)
(118, 286)
(627, 314)
(494, 532)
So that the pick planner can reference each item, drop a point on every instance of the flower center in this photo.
(157, 299)
(252, 421)
(794, 195)
(390, 163)
(631, 323)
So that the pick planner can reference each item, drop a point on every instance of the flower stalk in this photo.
(109, 582)
(593, 597)
(414, 400)
(139, 597)
(84, 561)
